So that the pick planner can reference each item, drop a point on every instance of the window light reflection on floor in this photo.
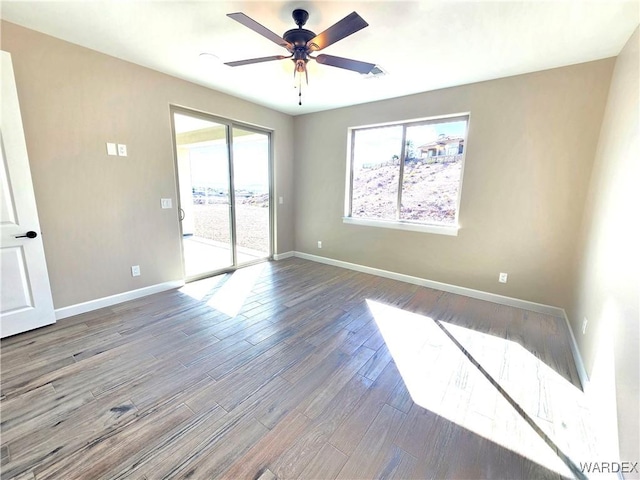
(198, 290)
(440, 378)
(230, 291)
(230, 298)
(559, 408)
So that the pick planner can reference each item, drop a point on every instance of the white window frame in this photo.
(398, 223)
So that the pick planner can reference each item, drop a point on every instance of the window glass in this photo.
(376, 160)
(432, 171)
(408, 172)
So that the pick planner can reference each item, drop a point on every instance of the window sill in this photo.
(400, 225)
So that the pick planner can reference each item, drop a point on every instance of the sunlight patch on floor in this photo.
(230, 298)
(558, 407)
(200, 289)
(441, 378)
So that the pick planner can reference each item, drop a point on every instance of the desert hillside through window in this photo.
(408, 172)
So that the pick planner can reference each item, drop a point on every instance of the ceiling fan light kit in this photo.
(301, 43)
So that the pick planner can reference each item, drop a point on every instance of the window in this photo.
(407, 175)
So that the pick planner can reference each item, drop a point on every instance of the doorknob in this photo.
(29, 234)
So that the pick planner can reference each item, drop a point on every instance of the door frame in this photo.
(230, 124)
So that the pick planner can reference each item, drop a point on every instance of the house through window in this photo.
(407, 175)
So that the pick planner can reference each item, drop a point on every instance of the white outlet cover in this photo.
(112, 149)
(135, 271)
(281, 200)
(122, 150)
(166, 203)
(502, 278)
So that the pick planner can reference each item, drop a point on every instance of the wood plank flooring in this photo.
(292, 370)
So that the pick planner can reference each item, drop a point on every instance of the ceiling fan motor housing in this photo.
(298, 37)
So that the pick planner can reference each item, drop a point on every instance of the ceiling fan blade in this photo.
(345, 27)
(346, 63)
(262, 30)
(239, 63)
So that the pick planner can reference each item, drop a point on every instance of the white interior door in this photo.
(25, 293)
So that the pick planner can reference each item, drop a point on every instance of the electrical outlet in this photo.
(135, 271)
(319, 244)
(122, 150)
(502, 278)
(584, 325)
(281, 200)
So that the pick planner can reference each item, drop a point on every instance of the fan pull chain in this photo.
(300, 66)
(299, 89)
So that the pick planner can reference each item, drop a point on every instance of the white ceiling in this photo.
(423, 45)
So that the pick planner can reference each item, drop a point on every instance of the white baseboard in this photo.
(282, 256)
(577, 358)
(91, 305)
(468, 292)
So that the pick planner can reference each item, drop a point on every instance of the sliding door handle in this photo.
(182, 215)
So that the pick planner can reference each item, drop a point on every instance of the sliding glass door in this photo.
(251, 194)
(225, 195)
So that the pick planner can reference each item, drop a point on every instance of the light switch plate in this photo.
(122, 150)
(112, 149)
(166, 203)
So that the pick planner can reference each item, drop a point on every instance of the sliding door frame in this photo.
(230, 125)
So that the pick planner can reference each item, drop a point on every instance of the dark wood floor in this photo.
(282, 371)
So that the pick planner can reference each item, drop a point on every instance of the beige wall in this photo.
(101, 214)
(530, 150)
(608, 261)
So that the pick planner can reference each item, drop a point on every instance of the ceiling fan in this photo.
(301, 43)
